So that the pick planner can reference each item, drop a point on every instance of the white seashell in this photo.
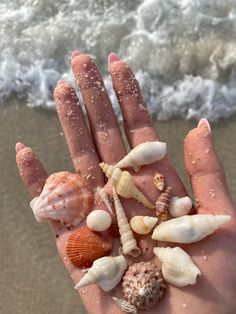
(106, 272)
(104, 197)
(177, 267)
(143, 154)
(180, 206)
(143, 224)
(129, 244)
(125, 306)
(99, 220)
(188, 229)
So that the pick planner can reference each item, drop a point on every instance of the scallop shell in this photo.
(177, 267)
(143, 285)
(163, 201)
(129, 244)
(106, 272)
(64, 198)
(124, 184)
(143, 224)
(180, 206)
(104, 197)
(143, 154)
(159, 181)
(99, 220)
(125, 306)
(84, 247)
(188, 229)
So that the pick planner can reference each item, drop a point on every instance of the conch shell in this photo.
(125, 306)
(143, 224)
(188, 229)
(143, 154)
(106, 272)
(64, 198)
(177, 267)
(129, 244)
(124, 184)
(159, 181)
(180, 206)
(163, 201)
(99, 220)
(104, 197)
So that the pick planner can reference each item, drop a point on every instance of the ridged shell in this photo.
(106, 272)
(163, 201)
(99, 220)
(124, 184)
(143, 285)
(143, 224)
(125, 306)
(159, 181)
(64, 198)
(188, 229)
(180, 206)
(84, 247)
(177, 267)
(104, 197)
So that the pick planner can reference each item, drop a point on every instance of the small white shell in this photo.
(99, 220)
(180, 206)
(143, 224)
(104, 197)
(125, 306)
(177, 267)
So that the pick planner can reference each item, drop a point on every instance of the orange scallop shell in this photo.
(85, 246)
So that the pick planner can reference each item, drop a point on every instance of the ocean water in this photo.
(182, 51)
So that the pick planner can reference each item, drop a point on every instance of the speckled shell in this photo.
(143, 224)
(99, 220)
(125, 306)
(124, 184)
(163, 201)
(85, 246)
(143, 285)
(180, 206)
(159, 181)
(64, 198)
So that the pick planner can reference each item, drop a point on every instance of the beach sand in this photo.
(33, 279)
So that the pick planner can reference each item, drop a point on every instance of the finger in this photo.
(79, 140)
(206, 172)
(31, 170)
(103, 123)
(137, 121)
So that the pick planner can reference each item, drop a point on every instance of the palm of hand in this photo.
(215, 256)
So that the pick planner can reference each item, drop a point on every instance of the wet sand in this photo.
(33, 279)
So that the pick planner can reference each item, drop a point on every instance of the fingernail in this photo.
(113, 57)
(60, 82)
(19, 146)
(205, 122)
(75, 53)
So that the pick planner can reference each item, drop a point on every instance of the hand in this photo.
(215, 256)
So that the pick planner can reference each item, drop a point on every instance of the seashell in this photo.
(125, 306)
(64, 198)
(163, 201)
(143, 285)
(143, 154)
(177, 267)
(104, 197)
(84, 247)
(124, 184)
(129, 244)
(158, 181)
(143, 224)
(99, 220)
(180, 206)
(188, 229)
(106, 272)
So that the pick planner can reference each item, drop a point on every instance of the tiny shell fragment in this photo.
(158, 181)
(125, 306)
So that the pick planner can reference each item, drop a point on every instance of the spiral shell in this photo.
(125, 306)
(99, 220)
(124, 184)
(143, 224)
(163, 201)
(84, 247)
(64, 198)
(159, 181)
(129, 244)
(180, 206)
(104, 197)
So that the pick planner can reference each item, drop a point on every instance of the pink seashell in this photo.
(64, 198)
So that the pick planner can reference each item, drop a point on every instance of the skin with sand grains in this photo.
(215, 255)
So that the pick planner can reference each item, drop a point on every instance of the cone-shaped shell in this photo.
(124, 184)
(143, 224)
(129, 244)
(64, 198)
(180, 206)
(125, 306)
(163, 201)
(177, 267)
(85, 246)
(159, 181)
(106, 272)
(188, 229)
(143, 154)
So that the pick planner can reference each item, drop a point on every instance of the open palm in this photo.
(215, 256)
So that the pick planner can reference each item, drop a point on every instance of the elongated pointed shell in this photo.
(106, 272)
(177, 267)
(64, 198)
(143, 224)
(163, 201)
(159, 181)
(129, 244)
(125, 306)
(143, 154)
(180, 206)
(188, 229)
(104, 197)
(84, 247)
(124, 184)
(99, 220)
